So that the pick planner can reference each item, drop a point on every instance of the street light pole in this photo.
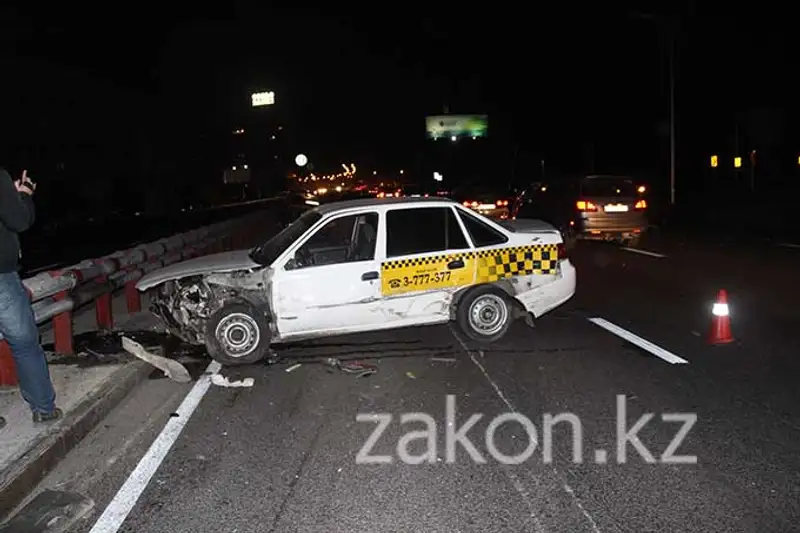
(671, 119)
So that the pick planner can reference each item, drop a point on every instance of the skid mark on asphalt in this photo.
(130, 492)
(518, 484)
(644, 252)
(644, 344)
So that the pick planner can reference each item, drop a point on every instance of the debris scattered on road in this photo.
(444, 359)
(358, 368)
(293, 367)
(221, 381)
(411, 375)
(173, 369)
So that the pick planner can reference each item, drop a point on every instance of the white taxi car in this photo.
(365, 265)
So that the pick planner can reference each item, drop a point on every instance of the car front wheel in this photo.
(237, 334)
(484, 314)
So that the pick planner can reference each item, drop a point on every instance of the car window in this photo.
(273, 248)
(610, 186)
(421, 230)
(345, 239)
(480, 232)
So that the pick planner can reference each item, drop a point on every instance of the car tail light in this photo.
(501, 203)
(562, 251)
(466, 204)
(641, 204)
(379, 195)
(584, 205)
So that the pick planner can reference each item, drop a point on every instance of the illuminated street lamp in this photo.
(301, 160)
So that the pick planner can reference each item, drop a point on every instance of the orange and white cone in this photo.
(721, 321)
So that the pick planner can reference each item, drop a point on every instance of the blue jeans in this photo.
(18, 326)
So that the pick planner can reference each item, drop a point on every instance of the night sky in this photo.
(557, 84)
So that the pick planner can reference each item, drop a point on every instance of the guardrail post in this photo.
(62, 329)
(132, 297)
(8, 370)
(103, 309)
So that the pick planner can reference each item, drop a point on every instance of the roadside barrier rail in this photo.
(56, 295)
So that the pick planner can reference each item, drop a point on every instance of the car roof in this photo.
(343, 205)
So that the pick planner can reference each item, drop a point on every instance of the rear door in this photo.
(427, 256)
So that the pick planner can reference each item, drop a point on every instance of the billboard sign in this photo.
(449, 126)
(263, 98)
(236, 174)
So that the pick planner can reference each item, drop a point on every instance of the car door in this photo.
(331, 283)
(427, 257)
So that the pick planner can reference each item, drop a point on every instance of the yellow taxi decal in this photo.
(497, 264)
(399, 276)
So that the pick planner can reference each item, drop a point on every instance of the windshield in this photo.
(608, 186)
(267, 253)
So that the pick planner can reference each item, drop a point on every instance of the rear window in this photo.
(608, 187)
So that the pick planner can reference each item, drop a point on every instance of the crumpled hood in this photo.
(207, 264)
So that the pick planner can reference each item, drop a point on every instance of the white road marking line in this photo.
(127, 496)
(638, 341)
(644, 252)
(519, 486)
(788, 245)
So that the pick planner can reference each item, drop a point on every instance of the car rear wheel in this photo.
(484, 314)
(237, 334)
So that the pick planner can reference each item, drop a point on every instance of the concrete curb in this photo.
(30, 469)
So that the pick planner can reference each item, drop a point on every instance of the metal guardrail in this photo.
(55, 295)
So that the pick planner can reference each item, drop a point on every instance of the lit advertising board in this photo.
(449, 126)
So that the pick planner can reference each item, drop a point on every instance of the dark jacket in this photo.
(16, 215)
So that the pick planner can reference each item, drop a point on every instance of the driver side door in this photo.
(332, 283)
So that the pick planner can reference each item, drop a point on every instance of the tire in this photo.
(237, 334)
(496, 318)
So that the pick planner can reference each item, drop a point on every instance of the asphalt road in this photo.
(282, 456)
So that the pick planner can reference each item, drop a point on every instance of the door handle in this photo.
(458, 263)
(369, 276)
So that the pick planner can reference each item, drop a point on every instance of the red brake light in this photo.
(641, 204)
(501, 203)
(584, 205)
(561, 249)
(466, 204)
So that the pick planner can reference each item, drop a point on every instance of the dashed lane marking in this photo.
(644, 252)
(127, 496)
(518, 484)
(644, 344)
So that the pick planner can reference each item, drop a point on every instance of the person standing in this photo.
(17, 321)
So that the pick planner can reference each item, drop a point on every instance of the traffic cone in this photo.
(721, 321)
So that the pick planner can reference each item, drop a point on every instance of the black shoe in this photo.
(48, 417)
(2, 422)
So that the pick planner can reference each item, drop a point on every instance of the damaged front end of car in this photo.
(186, 305)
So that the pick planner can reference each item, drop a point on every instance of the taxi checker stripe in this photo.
(421, 261)
(518, 261)
(547, 254)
